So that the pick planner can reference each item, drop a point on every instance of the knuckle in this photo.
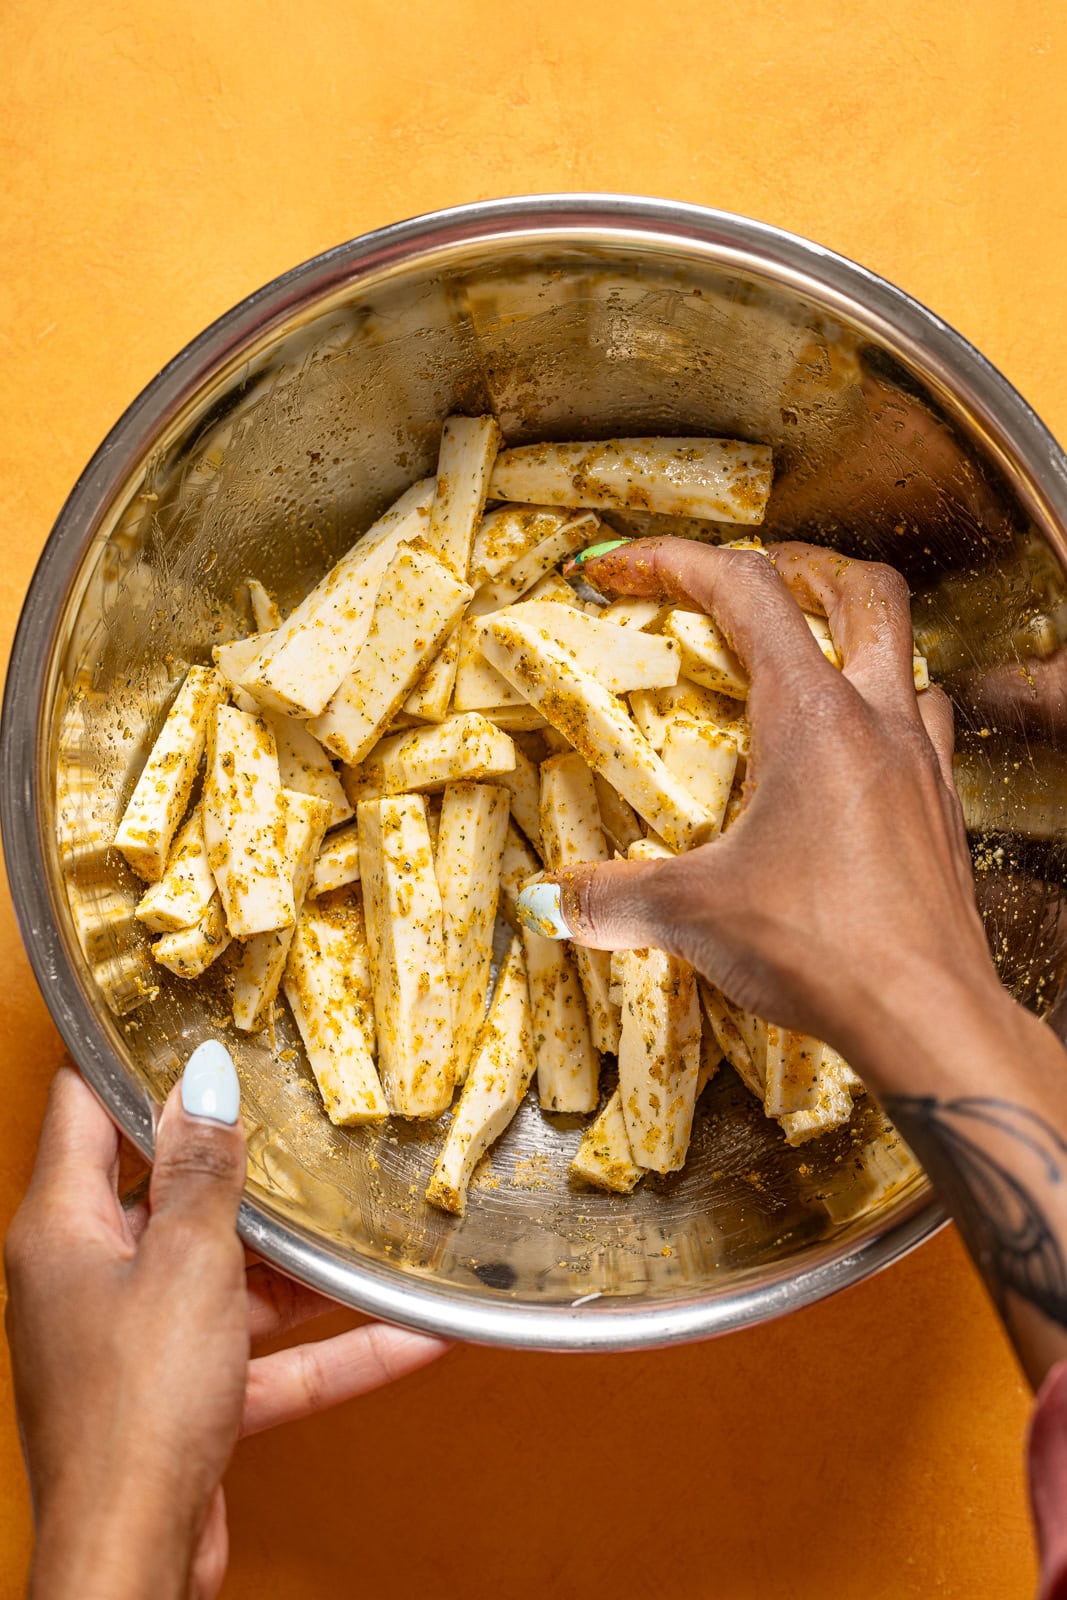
(199, 1155)
(311, 1378)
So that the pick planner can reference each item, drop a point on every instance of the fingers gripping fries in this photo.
(444, 630)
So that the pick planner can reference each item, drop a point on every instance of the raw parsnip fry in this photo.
(162, 792)
(598, 726)
(655, 709)
(820, 630)
(604, 1157)
(518, 865)
(496, 1085)
(405, 933)
(705, 759)
(467, 746)
(571, 833)
(234, 658)
(328, 986)
(467, 857)
(833, 1110)
(754, 1032)
(731, 1041)
(622, 659)
(469, 447)
(432, 695)
(617, 816)
(184, 892)
(521, 576)
(523, 785)
(417, 604)
(190, 951)
(265, 613)
(568, 1066)
(506, 534)
(793, 1061)
(305, 661)
(263, 957)
(478, 685)
(303, 765)
(920, 672)
(724, 479)
(554, 588)
(706, 657)
(244, 824)
(516, 719)
(632, 611)
(338, 862)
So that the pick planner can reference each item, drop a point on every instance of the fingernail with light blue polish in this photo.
(592, 551)
(539, 907)
(210, 1087)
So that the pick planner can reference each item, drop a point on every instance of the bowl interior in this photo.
(302, 431)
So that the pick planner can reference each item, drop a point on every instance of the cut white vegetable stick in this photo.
(754, 1032)
(615, 967)
(604, 1157)
(190, 951)
(184, 892)
(467, 746)
(735, 806)
(265, 611)
(659, 1057)
(552, 587)
(710, 1058)
(506, 534)
(725, 479)
(834, 1109)
(921, 672)
(523, 785)
(838, 1067)
(820, 630)
(654, 709)
(263, 958)
(518, 865)
(571, 833)
(328, 986)
(244, 824)
(521, 576)
(706, 657)
(161, 793)
(303, 664)
(728, 1036)
(793, 1063)
(556, 743)
(634, 612)
(478, 685)
(516, 719)
(617, 816)
(877, 1171)
(705, 759)
(303, 765)
(597, 724)
(234, 658)
(338, 862)
(467, 856)
(432, 695)
(622, 659)
(405, 934)
(417, 604)
(568, 1066)
(468, 449)
(496, 1084)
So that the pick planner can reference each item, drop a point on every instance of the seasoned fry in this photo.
(467, 857)
(523, 784)
(496, 1085)
(514, 581)
(506, 534)
(518, 865)
(464, 747)
(405, 934)
(597, 725)
(265, 613)
(161, 794)
(568, 1067)
(793, 1062)
(604, 1157)
(655, 709)
(190, 951)
(705, 760)
(185, 890)
(621, 659)
(706, 657)
(432, 695)
(338, 862)
(303, 664)
(303, 765)
(719, 478)
(417, 604)
(244, 825)
(617, 816)
(328, 986)
(468, 450)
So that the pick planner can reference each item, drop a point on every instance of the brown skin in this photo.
(841, 902)
(131, 1335)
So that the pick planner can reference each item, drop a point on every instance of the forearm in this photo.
(111, 1549)
(978, 1088)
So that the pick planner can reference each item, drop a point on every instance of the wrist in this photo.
(111, 1546)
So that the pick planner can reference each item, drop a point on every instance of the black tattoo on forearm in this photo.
(997, 1167)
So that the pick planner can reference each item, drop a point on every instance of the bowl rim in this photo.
(1025, 451)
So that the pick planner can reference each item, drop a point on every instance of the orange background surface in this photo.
(161, 161)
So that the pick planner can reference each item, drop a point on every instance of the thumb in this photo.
(618, 905)
(199, 1169)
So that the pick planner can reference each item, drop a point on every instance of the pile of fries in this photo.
(347, 799)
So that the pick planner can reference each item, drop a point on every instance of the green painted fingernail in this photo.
(593, 551)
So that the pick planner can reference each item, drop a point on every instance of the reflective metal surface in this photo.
(271, 442)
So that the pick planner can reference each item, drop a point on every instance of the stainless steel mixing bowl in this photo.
(269, 443)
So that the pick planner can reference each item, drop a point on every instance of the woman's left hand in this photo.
(132, 1335)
